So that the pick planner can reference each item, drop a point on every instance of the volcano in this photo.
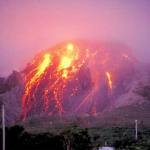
(76, 78)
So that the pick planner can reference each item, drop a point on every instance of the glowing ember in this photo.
(70, 47)
(109, 79)
(68, 57)
(65, 74)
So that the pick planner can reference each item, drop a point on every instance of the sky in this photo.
(27, 26)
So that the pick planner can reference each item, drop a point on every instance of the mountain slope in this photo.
(101, 80)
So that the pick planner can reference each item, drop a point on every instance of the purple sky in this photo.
(27, 26)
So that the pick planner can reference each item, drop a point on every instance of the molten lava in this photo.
(67, 66)
(109, 80)
(67, 78)
(34, 80)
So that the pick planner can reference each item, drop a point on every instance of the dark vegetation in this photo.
(72, 138)
(76, 138)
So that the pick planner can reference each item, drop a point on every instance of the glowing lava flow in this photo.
(109, 80)
(68, 79)
(60, 67)
(33, 81)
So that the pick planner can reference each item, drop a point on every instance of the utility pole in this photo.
(136, 130)
(3, 125)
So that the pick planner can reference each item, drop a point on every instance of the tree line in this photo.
(76, 138)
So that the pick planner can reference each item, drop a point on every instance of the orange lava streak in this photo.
(46, 100)
(34, 80)
(109, 80)
(60, 66)
(88, 98)
(67, 59)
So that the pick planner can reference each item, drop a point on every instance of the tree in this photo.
(13, 135)
(76, 138)
(42, 141)
(82, 140)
